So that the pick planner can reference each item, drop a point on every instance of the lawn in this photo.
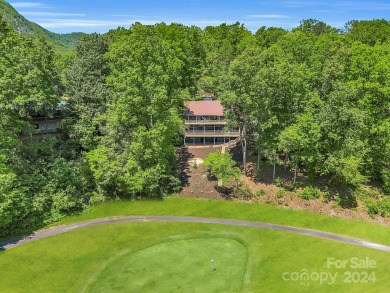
(177, 266)
(175, 257)
(240, 211)
(162, 257)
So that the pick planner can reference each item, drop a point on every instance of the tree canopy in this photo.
(315, 96)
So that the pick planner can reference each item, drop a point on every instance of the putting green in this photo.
(177, 266)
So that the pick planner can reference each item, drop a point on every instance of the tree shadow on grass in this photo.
(14, 240)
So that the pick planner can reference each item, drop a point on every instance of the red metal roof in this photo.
(204, 108)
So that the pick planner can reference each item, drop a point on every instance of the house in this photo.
(46, 125)
(49, 125)
(205, 124)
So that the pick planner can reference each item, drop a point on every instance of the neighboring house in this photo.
(205, 124)
(49, 125)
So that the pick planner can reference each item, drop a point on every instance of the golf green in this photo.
(217, 264)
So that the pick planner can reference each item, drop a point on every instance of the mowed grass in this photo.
(175, 257)
(183, 265)
(238, 210)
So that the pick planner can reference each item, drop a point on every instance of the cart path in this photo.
(177, 219)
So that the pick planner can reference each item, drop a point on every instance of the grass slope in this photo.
(83, 260)
(240, 211)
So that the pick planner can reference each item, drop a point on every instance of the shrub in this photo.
(292, 187)
(243, 191)
(372, 208)
(260, 192)
(327, 197)
(278, 182)
(280, 193)
(384, 207)
(347, 201)
(386, 181)
(310, 192)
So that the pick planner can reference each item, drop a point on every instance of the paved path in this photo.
(65, 228)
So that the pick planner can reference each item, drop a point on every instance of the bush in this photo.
(260, 192)
(280, 193)
(384, 207)
(243, 191)
(327, 197)
(310, 192)
(386, 181)
(347, 201)
(292, 187)
(278, 182)
(372, 208)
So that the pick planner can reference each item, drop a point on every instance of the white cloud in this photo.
(26, 4)
(267, 16)
(49, 14)
(347, 4)
(292, 4)
(204, 22)
(363, 5)
(83, 23)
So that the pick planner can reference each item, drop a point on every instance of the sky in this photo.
(89, 16)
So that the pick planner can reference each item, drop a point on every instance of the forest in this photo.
(316, 97)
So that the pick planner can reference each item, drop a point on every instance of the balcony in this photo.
(212, 133)
(205, 122)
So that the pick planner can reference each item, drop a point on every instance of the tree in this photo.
(266, 37)
(136, 156)
(315, 27)
(301, 140)
(369, 32)
(222, 44)
(239, 97)
(222, 167)
(87, 89)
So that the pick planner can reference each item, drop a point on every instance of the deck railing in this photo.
(234, 132)
(205, 121)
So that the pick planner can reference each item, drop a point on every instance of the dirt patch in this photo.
(292, 200)
(195, 179)
(196, 183)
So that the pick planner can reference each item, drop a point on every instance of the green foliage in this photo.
(347, 200)
(316, 97)
(135, 155)
(260, 192)
(62, 43)
(369, 32)
(278, 182)
(384, 207)
(222, 167)
(266, 37)
(85, 80)
(386, 180)
(280, 193)
(315, 27)
(243, 191)
(310, 192)
(327, 197)
(372, 208)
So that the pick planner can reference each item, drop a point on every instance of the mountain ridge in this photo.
(62, 43)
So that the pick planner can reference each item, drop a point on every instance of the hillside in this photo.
(62, 42)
